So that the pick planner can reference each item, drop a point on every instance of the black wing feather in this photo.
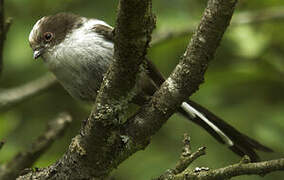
(243, 145)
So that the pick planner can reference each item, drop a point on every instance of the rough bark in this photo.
(103, 143)
(55, 129)
(267, 15)
(101, 147)
(188, 74)
(182, 171)
(97, 150)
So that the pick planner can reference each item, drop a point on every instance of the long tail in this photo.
(222, 131)
(219, 129)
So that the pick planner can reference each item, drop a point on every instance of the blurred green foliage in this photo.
(244, 84)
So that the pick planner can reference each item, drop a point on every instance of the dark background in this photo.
(244, 84)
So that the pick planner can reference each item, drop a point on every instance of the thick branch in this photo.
(188, 74)
(101, 147)
(241, 18)
(133, 30)
(94, 153)
(13, 96)
(55, 129)
(134, 26)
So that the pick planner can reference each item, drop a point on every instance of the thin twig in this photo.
(100, 147)
(244, 167)
(245, 159)
(243, 18)
(262, 16)
(160, 38)
(94, 153)
(13, 96)
(184, 162)
(186, 158)
(259, 16)
(259, 168)
(188, 74)
(25, 159)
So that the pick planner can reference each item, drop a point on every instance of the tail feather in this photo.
(222, 131)
(219, 129)
(196, 114)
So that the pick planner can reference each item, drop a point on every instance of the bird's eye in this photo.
(48, 36)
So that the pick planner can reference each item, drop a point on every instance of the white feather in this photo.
(80, 61)
(193, 113)
(35, 28)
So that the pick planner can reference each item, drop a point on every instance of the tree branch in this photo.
(94, 153)
(13, 96)
(54, 130)
(188, 74)
(160, 38)
(101, 147)
(187, 157)
(242, 18)
(4, 27)
(253, 17)
(259, 168)
(259, 16)
(244, 167)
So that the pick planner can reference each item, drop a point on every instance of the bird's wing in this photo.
(106, 31)
(222, 131)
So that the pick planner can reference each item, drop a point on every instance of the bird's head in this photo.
(50, 31)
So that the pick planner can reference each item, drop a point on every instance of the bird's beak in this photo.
(38, 53)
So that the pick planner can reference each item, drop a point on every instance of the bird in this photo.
(79, 50)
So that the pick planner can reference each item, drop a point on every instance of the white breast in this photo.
(80, 61)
